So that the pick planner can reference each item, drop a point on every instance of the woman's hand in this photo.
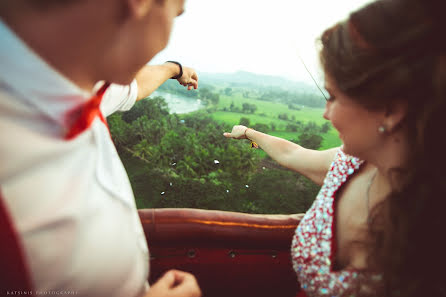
(175, 283)
(189, 78)
(238, 132)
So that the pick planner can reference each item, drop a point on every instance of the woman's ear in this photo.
(395, 115)
(139, 8)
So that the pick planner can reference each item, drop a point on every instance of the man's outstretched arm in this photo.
(150, 77)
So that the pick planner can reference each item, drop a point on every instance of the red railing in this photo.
(231, 254)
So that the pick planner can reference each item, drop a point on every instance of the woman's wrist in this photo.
(253, 143)
(246, 131)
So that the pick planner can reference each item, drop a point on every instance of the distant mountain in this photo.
(248, 79)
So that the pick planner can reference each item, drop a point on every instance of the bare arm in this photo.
(150, 77)
(310, 163)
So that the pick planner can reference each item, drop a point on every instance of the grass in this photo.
(272, 110)
(268, 112)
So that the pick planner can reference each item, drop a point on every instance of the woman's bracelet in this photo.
(253, 144)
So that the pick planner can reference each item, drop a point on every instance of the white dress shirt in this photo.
(71, 201)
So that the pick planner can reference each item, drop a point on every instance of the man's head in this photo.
(146, 29)
(91, 40)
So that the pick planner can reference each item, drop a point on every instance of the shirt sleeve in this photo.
(119, 98)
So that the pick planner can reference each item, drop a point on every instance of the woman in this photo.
(373, 228)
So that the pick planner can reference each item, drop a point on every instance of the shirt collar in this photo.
(34, 81)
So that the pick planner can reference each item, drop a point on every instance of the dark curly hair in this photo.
(395, 50)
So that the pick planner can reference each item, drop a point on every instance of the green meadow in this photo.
(268, 112)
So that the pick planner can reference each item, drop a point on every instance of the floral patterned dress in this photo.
(314, 244)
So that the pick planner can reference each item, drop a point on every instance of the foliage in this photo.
(281, 191)
(153, 109)
(249, 108)
(244, 121)
(310, 141)
(185, 161)
(228, 91)
(325, 127)
(207, 95)
(261, 127)
(293, 99)
(283, 116)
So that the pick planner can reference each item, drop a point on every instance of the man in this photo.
(63, 190)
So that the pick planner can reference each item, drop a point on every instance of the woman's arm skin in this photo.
(175, 283)
(150, 77)
(310, 163)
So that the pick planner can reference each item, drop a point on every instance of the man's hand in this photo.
(175, 283)
(189, 78)
(150, 77)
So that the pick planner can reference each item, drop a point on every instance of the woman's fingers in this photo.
(238, 132)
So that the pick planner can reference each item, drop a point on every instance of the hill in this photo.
(246, 79)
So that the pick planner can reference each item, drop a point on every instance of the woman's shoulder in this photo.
(343, 159)
(343, 166)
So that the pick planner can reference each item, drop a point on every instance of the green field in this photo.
(272, 109)
(268, 112)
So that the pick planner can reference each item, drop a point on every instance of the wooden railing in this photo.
(231, 254)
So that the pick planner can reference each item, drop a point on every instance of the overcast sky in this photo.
(260, 36)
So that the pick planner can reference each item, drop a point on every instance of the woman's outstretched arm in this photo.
(310, 163)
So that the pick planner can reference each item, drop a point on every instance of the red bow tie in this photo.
(83, 116)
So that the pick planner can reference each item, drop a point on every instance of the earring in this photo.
(382, 129)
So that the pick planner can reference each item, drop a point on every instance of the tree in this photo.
(310, 141)
(283, 116)
(291, 127)
(261, 127)
(249, 108)
(293, 106)
(119, 130)
(273, 127)
(228, 91)
(183, 161)
(244, 122)
(153, 108)
(292, 192)
(325, 127)
(215, 98)
(204, 93)
(253, 108)
(312, 128)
